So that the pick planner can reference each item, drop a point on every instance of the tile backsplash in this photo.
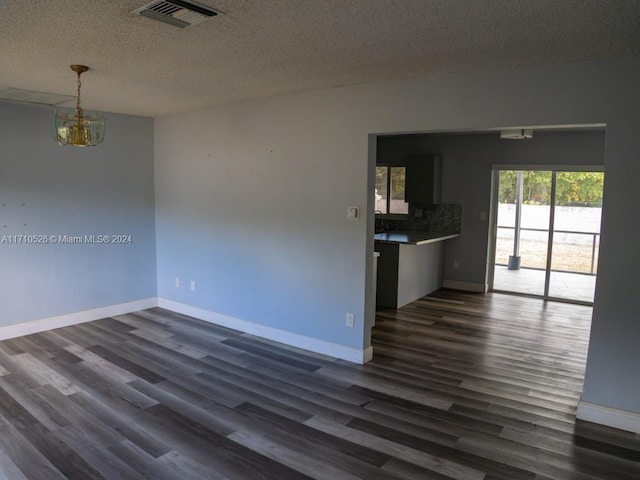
(441, 217)
(445, 218)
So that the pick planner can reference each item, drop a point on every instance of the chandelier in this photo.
(75, 127)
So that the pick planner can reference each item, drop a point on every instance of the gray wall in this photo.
(612, 378)
(251, 198)
(52, 190)
(396, 149)
(467, 164)
(467, 180)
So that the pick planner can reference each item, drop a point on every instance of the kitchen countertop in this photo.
(412, 237)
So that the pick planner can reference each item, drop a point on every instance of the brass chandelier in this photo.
(75, 127)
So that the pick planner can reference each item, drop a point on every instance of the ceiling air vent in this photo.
(177, 12)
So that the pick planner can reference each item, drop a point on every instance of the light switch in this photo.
(352, 213)
(483, 216)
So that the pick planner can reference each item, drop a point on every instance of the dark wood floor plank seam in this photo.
(320, 405)
(402, 452)
(121, 423)
(26, 456)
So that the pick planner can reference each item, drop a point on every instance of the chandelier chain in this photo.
(78, 109)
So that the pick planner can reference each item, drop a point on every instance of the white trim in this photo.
(44, 324)
(465, 286)
(367, 355)
(610, 417)
(336, 350)
(550, 168)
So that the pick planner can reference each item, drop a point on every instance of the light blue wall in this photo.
(52, 190)
(251, 198)
(247, 210)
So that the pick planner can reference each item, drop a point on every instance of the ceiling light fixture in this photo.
(75, 127)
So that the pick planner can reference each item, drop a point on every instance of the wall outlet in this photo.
(456, 264)
(418, 212)
(483, 216)
(349, 321)
(192, 286)
(176, 282)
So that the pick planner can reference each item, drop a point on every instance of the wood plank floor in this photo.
(462, 386)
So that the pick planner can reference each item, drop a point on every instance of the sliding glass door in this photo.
(546, 233)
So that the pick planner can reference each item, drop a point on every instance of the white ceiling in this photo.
(261, 48)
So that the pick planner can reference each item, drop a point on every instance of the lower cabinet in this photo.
(408, 272)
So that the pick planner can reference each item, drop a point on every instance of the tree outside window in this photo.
(390, 187)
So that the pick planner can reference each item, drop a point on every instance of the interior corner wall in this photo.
(50, 193)
(251, 198)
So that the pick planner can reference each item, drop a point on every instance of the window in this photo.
(390, 190)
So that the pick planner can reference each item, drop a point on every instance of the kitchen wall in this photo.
(467, 163)
(395, 150)
(46, 189)
(467, 179)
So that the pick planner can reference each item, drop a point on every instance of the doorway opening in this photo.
(546, 232)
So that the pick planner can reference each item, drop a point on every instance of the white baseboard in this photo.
(465, 286)
(343, 352)
(610, 417)
(293, 339)
(367, 355)
(35, 326)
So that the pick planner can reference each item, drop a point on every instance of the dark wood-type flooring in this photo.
(462, 386)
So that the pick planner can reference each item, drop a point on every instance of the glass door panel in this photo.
(522, 233)
(576, 235)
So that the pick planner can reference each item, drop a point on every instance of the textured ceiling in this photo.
(262, 48)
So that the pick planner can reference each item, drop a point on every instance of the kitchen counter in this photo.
(411, 237)
(411, 265)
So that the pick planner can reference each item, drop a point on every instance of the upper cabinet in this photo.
(423, 183)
